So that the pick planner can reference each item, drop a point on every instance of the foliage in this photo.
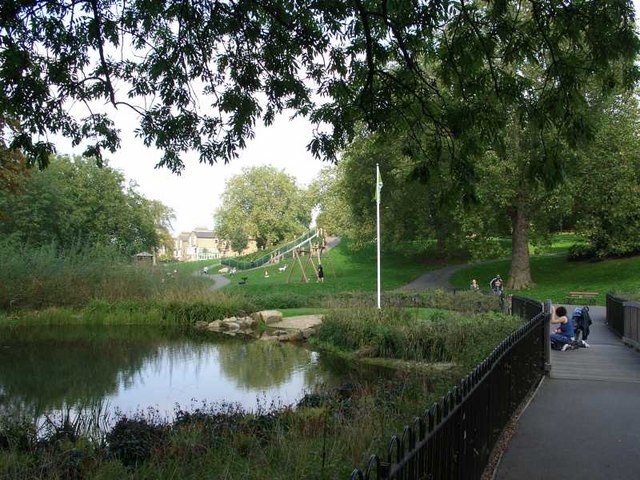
(77, 204)
(464, 300)
(264, 204)
(326, 193)
(608, 184)
(337, 63)
(13, 167)
(43, 277)
(132, 440)
(400, 334)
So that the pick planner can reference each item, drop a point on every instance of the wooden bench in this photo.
(581, 296)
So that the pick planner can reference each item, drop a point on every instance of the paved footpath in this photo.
(584, 421)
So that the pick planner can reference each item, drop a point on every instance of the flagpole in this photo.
(378, 188)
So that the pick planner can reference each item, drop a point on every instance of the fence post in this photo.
(547, 336)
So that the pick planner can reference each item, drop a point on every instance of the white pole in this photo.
(378, 188)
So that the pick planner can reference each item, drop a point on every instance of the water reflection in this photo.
(44, 369)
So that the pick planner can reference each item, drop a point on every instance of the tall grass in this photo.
(37, 278)
(394, 333)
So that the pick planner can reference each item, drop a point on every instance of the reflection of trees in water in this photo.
(47, 368)
(56, 368)
(333, 371)
(261, 365)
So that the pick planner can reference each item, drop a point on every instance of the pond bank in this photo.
(267, 325)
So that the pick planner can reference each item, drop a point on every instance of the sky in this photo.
(195, 194)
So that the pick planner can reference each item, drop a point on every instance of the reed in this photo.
(433, 336)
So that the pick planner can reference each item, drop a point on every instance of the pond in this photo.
(131, 369)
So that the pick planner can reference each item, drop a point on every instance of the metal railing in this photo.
(623, 316)
(454, 438)
(281, 251)
(615, 313)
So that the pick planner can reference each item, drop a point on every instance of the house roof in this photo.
(204, 233)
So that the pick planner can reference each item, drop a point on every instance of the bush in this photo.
(395, 333)
(460, 301)
(132, 441)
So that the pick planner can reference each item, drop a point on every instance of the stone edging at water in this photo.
(291, 329)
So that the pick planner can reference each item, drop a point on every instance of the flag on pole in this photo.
(378, 184)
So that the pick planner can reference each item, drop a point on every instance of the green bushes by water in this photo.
(415, 335)
(325, 436)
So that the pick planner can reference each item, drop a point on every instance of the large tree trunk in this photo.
(520, 274)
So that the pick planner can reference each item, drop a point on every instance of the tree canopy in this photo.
(75, 204)
(265, 204)
(201, 74)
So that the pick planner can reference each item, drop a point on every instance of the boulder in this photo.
(268, 316)
(290, 336)
(307, 332)
(246, 322)
(224, 270)
(233, 326)
(215, 326)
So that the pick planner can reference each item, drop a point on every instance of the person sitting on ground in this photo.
(562, 337)
(474, 285)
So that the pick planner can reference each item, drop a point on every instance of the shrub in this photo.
(132, 441)
(396, 333)
(460, 301)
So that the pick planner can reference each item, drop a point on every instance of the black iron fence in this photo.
(623, 317)
(615, 313)
(454, 438)
(525, 308)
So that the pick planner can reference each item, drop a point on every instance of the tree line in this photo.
(508, 96)
(75, 204)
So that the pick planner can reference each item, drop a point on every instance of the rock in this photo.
(233, 326)
(307, 332)
(215, 326)
(268, 316)
(201, 325)
(224, 270)
(291, 337)
(246, 322)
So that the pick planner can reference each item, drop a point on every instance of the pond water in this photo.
(129, 369)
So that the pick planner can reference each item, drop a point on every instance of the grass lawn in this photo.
(345, 270)
(555, 276)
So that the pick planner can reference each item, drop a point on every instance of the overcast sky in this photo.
(195, 195)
